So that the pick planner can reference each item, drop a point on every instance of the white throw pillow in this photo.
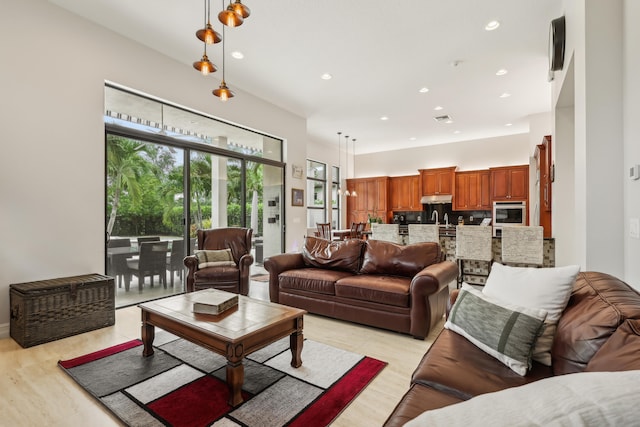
(542, 288)
(585, 399)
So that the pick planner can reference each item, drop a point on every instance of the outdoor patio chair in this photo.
(152, 262)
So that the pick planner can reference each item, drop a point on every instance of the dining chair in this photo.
(360, 229)
(324, 230)
(175, 260)
(152, 262)
(144, 239)
(354, 230)
(117, 266)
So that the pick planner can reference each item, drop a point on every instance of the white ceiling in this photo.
(380, 54)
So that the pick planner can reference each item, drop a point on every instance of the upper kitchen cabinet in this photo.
(372, 198)
(404, 193)
(472, 191)
(510, 183)
(437, 181)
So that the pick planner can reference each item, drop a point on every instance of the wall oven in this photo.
(508, 214)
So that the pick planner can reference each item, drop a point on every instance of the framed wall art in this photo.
(297, 197)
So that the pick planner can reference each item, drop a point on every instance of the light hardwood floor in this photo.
(35, 392)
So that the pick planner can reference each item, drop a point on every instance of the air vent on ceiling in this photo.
(442, 119)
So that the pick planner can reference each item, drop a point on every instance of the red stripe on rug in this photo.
(331, 403)
(71, 363)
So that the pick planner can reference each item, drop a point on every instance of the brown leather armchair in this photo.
(227, 278)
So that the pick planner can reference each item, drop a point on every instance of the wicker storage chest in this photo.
(48, 310)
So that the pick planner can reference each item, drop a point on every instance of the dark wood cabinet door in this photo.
(510, 183)
(404, 193)
(484, 179)
(461, 193)
(437, 181)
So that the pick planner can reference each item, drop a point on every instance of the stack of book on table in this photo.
(212, 301)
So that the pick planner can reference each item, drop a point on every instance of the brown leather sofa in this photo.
(598, 331)
(232, 278)
(376, 283)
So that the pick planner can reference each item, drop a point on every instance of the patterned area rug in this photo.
(182, 384)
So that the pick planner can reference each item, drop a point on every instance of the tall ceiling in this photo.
(379, 53)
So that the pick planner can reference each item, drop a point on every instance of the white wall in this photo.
(52, 212)
(631, 133)
(593, 69)
(468, 155)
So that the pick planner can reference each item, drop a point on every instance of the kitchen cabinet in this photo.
(437, 181)
(372, 199)
(510, 183)
(472, 191)
(404, 193)
(543, 173)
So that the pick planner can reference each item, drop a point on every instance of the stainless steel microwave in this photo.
(507, 214)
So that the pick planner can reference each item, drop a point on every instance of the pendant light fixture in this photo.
(230, 17)
(223, 92)
(204, 65)
(353, 193)
(208, 34)
(346, 187)
(339, 165)
(241, 9)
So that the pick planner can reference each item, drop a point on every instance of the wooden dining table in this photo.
(341, 234)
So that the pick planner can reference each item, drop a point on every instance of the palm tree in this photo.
(124, 165)
(200, 185)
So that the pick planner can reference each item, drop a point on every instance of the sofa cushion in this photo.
(545, 288)
(598, 305)
(313, 280)
(336, 255)
(387, 290)
(505, 331)
(455, 365)
(388, 258)
(214, 258)
(220, 273)
(621, 352)
(418, 399)
(583, 399)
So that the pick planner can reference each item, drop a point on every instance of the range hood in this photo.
(434, 200)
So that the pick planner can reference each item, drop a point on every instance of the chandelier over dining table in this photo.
(231, 16)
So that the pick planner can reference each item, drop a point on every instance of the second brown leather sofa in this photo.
(376, 283)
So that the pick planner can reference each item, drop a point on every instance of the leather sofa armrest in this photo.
(429, 288)
(244, 266)
(275, 265)
(191, 262)
(453, 296)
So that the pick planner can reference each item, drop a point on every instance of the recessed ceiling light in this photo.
(501, 72)
(456, 131)
(438, 108)
(326, 76)
(424, 90)
(384, 118)
(509, 124)
(492, 25)
(505, 95)
(449, 121)
(413, 138)
(237, 54)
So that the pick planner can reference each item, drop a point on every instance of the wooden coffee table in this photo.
(235, 333)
